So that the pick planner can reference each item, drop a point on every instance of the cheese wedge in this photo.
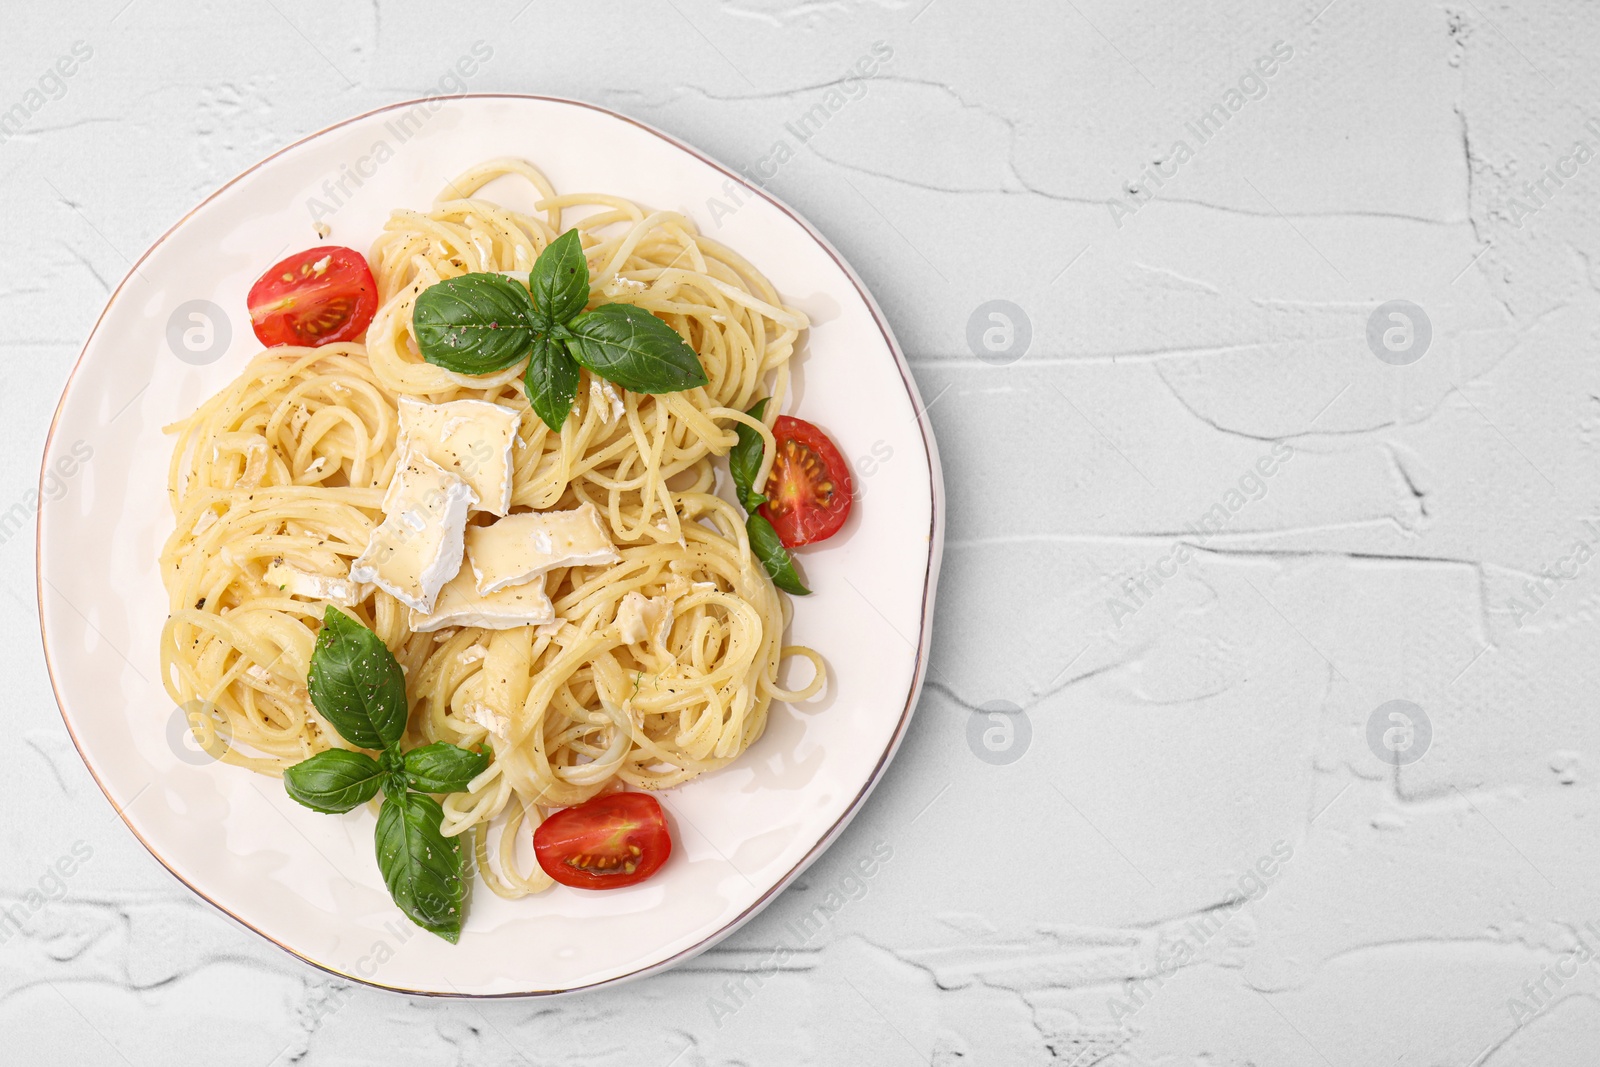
(472, 439)
(460, 604)
(640, 617)
(417, 547)
(519, 548)
(290, 579)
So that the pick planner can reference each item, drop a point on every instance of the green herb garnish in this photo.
(475, 324)
(334, 781)
(481, 323)
(421, 866)
(628, 345)
(358, 686)
(744, 463)
(775, 559)
(443, 768)
(551, 381)
(356, 683)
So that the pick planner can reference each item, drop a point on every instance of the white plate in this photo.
(310, 882)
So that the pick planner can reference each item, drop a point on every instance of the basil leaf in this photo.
(356, 684)
(560, 279)
(475, 324)
(551, 381)
(744, 461)
(764, 542)
(421, 866)
(334, 781)
(628, 345)
(443, 768)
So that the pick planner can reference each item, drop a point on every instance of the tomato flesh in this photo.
(611, 841)
(315, 297)
(809, 491)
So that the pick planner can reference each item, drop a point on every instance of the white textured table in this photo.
(1212, 508)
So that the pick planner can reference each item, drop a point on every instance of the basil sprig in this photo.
(744, 463)
(481, 323)
(358, 686)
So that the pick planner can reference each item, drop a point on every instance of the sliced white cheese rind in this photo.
(489, 719)
(287, 578)
(606, 400)
(472, 439)
(519, 548)
(460, 604)
(417, 548)
(639, 618)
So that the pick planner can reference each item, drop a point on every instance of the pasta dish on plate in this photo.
(457, 543)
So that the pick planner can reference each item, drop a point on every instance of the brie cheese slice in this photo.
(519, 548)
(489, 719)
(605, 398)
(471, 439)
(417, 547)
(460, 604)
(296, 582)
(640, 617)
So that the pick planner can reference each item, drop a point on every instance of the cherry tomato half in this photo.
(608, 842)
(315, 297)
(809, 491)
